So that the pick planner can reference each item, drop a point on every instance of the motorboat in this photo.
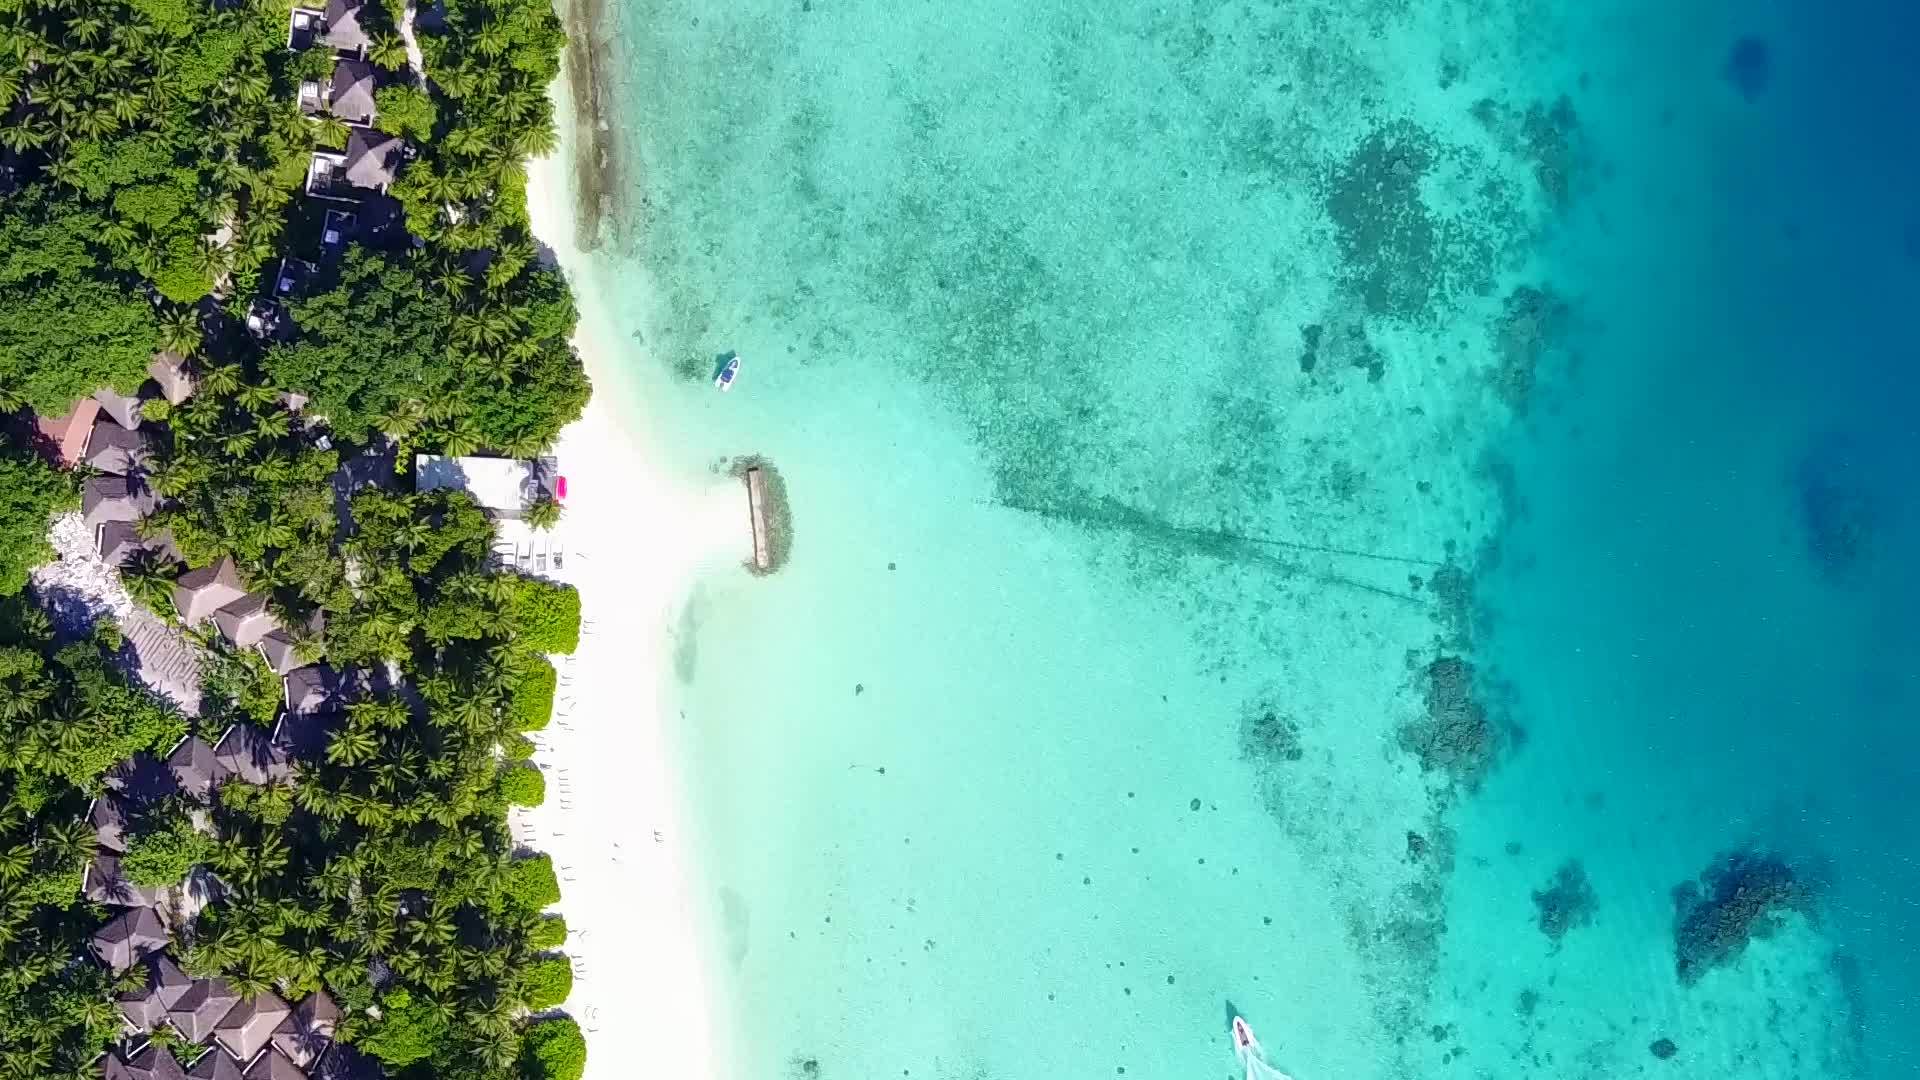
(1245, 1046)
(724, 381)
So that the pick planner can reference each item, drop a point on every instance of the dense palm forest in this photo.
(154, 157)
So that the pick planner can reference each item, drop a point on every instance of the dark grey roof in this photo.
(122, 407)
(216, 1064)
(318, 688)
(141, 778)
(112, 1067)
(351, 96)
(114, 498)
(246, 620)
(103, 883)
(317, 1012)
(114, 449)
(133, 934)
(169, 369)
(148, 1005)
(280, 653)
(245, 752)
(155, 1063)
(273, 1065)
(200, 1010)
(304, 736)
(245, 1030)
(195, 768)
(343, 25)
(200, 593)
(306, 1034)
(373, 158)
(343, 1062)
(108, 816)
(118, 540)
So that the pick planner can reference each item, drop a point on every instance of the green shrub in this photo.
(530, 883)
(407, 1031)
(162, 853)
(547, 615)
(30, 494)
(546, 982)
(548, 933)
(553, 1050)
(523, 785)
(530, 704)
(515, 746)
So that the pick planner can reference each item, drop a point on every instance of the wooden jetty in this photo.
(757, 510)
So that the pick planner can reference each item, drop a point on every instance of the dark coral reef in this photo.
(1742, 896)
(1267, 735)
(1456, 735)
(1567, 903)
(1533, 323)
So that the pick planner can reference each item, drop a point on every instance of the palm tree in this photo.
(527, 444)
(330, 131)
(543, 513)
(256, 396)
(401, 421)
(387, 50)
(148, 576)
(352, 746)
(211, 261)
(459, 440)
(220, 380)
(536, 140)
(180, 332)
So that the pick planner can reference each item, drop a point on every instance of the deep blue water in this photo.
(1703, 608)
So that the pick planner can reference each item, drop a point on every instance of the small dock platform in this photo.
(757, 511)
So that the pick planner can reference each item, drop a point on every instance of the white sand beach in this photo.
(636, 534)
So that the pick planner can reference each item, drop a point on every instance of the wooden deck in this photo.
(757, 510)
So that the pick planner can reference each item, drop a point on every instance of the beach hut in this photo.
(200, 593)
(199, 1011)
(126, 940)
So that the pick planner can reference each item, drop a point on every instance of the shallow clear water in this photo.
(1135, 373)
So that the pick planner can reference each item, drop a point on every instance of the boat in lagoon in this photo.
(724, 380)
(1245, 1046)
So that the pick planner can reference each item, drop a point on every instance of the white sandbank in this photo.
(636, 534)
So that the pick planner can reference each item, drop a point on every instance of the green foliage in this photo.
(531, 703)
(55, 1013)
(141, 128)
(523, 785)
(71, 716)
(237, 685)
(516, 747)
(409, 1030)
(548, 933)
(553, 1050)
(546, 614)
(543, 513)
(376, 340)
(62, 339)
(164, 848)
(30, 493)
(546, 982)
(530, 884)
(406, 111)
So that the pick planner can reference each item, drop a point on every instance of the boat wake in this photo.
(1252, 1055)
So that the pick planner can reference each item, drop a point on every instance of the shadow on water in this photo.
(1105, 513)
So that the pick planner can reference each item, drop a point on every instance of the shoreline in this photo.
(615, 820)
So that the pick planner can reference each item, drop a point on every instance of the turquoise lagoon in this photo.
(1160, 390)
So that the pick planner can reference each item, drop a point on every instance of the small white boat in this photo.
(723, 382)
(1245, 1046)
